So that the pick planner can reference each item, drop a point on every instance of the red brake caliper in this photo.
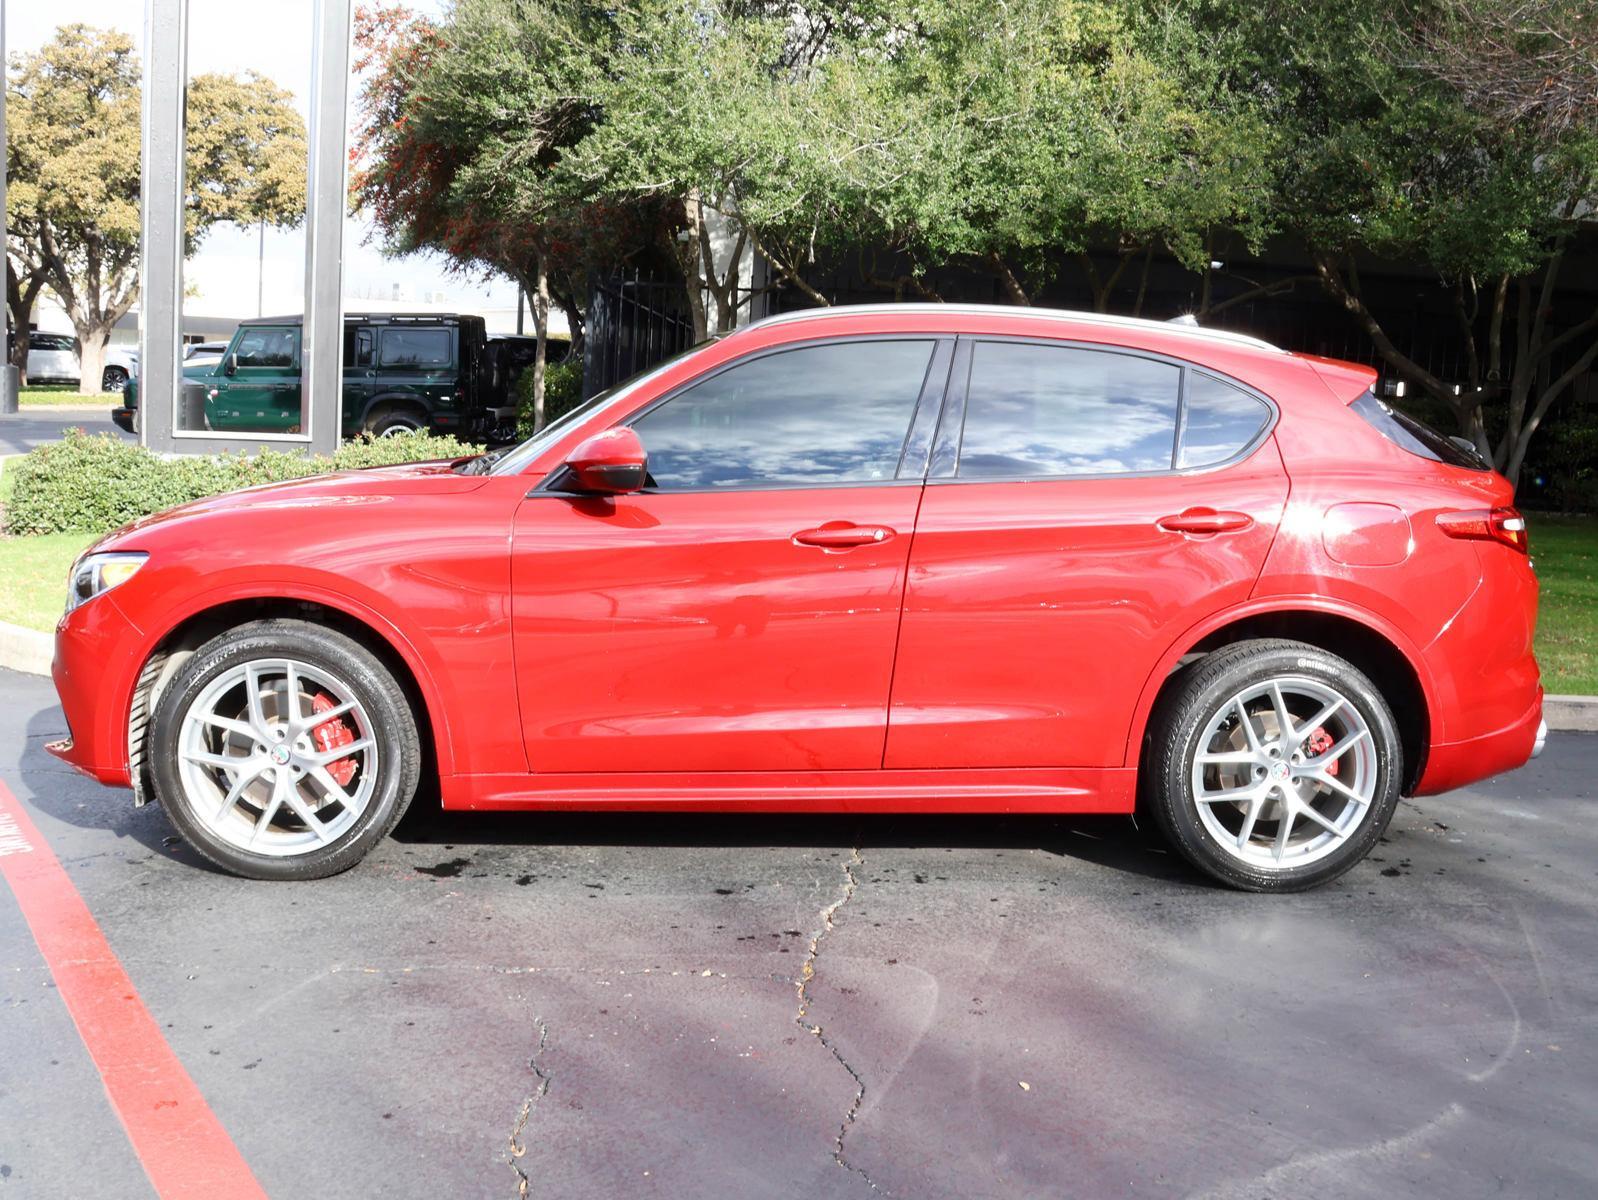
(330, 735)
(1319, 743)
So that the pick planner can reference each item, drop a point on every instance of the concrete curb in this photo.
(1577, 713)
(25, 650)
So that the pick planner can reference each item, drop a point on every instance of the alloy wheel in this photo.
(277, 757)
(1285, 772)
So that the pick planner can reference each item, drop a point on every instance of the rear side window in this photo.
(49, 341)
(1219, 421)
(834, 413)
(1035, 411)
(1416, 436)
(414, 348)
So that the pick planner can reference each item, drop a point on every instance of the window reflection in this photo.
(1220, 421)
(818, 414)
(1057, 410)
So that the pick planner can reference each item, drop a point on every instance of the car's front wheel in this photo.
(1275, 766)
(113, 380)
(284, 750)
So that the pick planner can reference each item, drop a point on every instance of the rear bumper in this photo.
(1454, 764)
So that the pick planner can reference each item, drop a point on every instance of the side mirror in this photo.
(231, 366)
(609, 463)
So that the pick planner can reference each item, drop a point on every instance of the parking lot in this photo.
(777, 1006)
(22, 431)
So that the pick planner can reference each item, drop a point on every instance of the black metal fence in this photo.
(635, 320)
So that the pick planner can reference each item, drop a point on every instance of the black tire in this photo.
(381, 422)
(113, 379)
(1200, 694)
(399, 753)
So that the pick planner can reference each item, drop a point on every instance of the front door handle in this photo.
(841, 536)
(1205, 521)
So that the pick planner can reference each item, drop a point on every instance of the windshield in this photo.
(512, 460)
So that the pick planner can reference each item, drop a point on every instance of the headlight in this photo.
(96, 573)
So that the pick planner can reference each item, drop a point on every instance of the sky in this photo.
(273, 38)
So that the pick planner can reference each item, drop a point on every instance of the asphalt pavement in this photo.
(22, 431)
(778, 1006)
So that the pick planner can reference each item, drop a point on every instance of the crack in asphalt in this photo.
(518, 1148)
(807, 972)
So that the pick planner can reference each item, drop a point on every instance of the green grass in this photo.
(1566, 552)
(62, 395)
(33, 577)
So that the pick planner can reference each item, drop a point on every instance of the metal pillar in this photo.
(161, 251)
(166, 55)
(8, 373)
(326, 192)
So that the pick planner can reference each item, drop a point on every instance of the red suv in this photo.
(895, 559)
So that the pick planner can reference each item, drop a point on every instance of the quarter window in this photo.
(834, 413)
(414, 348)
(1034, 411)
(1218, 422)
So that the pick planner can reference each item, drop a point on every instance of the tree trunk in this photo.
(20, 297)
(540, 300)
(91, 355)
(688, 258)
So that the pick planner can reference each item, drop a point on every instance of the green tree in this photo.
(73, 134)
(1386, 155)
(464, 126)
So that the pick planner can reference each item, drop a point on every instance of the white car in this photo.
(203, 354)
(121, 365)
(53, 358)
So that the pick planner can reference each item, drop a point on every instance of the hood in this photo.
(327, 493)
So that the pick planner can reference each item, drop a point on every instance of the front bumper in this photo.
(122, 418)
(98, 653)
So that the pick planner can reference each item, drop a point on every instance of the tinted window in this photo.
(1219, 422)
(357, 346)
(49, 341)
(1416, 436)
(1056, 410)
(415, 348)
(269, 346)
(821, 414)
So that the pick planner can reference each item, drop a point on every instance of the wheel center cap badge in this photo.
(1279, 770)
(280, 754)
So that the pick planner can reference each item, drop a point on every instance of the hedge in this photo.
(91, 483)
(563, 391)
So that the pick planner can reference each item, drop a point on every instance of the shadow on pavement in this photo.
(1114, 842)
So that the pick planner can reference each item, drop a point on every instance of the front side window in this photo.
(268, 346)
(1034, 411)
(414, 348)
(833, 413)
(1218, 421)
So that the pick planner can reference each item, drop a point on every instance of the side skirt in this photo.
(997, 790)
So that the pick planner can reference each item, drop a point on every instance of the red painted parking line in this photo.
(180, 1143)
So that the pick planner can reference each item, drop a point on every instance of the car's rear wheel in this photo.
(389, 422)
(284, 750)
(1275, 766)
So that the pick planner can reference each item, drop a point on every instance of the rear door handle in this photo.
(839, 536)
(1204, 521)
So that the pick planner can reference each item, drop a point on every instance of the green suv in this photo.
(401, 372)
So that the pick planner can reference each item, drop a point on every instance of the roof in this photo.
(364, 318)
(1018, 312)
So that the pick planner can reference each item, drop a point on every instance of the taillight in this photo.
(1504, 525)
